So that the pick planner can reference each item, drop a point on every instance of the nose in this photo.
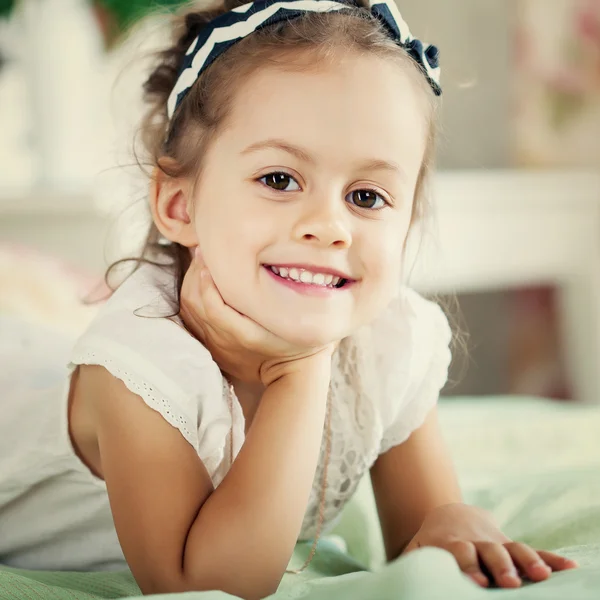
(324, 223)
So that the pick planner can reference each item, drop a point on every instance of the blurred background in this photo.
(516, 231)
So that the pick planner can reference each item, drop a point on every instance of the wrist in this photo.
(305, 383)
(314, 373)
(313, 368)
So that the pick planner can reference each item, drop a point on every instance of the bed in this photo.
(534, 463)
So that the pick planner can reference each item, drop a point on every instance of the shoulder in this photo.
(142, 308)
(411, 334)
(411, 345)
(412, 311)
(139, 327)
(149, 290)
(140, 340)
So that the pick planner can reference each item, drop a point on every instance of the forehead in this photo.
(363, 106)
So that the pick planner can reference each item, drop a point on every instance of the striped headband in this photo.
(227, 29)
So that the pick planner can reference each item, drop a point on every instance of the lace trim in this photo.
(358, 388)
(355, 436)
(148, 393)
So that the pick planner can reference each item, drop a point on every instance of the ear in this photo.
(170, 205)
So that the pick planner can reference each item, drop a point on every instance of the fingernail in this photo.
(511, 574)
(479, 579)
(539, 564)
(197, 254)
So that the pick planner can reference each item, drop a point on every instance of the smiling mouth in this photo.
(297, 275)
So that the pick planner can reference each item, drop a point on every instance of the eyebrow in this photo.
(299, 153)
(382, 165)
(304, 155)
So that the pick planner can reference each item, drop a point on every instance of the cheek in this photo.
(236, 221)
(384, 266)
(385, 279)
(232, 239)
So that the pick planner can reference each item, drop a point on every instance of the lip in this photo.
(307, 289)
(312, 269)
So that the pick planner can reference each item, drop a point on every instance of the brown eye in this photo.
(280, 182)
(366, 199)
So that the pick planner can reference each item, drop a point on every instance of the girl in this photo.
(235, 389)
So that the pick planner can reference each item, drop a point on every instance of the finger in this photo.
(191, 278)
(214, 309)
(202, 301)
(190, 287)
(191, 306)
(465, 554)
(499, 563)
(210, 298)
(198, 259)
(203, 310)
(413, 545)
(556, 562)
(228, 320)
(528, 561)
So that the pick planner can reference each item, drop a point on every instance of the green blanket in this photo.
(535, 464)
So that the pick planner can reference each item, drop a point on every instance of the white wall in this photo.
(475, 38)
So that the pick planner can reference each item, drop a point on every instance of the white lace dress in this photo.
(385, 380)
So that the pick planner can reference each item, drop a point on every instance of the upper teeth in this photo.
(305, 276)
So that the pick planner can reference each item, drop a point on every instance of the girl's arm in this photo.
(409, 481)
(419, 504)
(179, 534)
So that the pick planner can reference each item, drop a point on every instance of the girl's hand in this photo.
(471, 536)
(241, 347)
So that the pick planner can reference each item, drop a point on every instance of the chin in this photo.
(308, 334)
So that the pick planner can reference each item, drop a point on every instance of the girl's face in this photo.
(305, 198)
